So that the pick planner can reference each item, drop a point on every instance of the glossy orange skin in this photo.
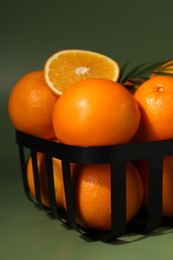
(30, 105)
(155, 100)
(96, 112)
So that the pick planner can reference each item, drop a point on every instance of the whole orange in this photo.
(30, 105)
(58, 179)
(167, 184)
(96, 112)
(155, 100)
(92, 195)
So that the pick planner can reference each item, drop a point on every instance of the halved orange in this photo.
(67, 67)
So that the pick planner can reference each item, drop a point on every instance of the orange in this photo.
(58, 179)
(155, 100)
(167, 184)
(92, 196)
(96, 112)
(66, 67)
(30, 106)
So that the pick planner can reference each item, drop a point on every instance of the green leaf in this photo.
(167, 65)
(149, 69)
(132, 72)
(122, 69)
(163, 73)
(143, 71)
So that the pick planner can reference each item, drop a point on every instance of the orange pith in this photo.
(67, 67)
(95, 112)
(155, 100)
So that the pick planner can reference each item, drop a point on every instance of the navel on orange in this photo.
(67, 67)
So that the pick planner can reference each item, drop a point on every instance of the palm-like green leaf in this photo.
(131, 73)
(123, 69)
(143, 71)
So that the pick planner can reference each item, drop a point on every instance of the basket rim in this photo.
(97, 154)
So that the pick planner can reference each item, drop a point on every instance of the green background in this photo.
(31, 31)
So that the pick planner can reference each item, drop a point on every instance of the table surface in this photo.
(28, 233)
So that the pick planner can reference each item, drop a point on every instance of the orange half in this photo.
(68, 67)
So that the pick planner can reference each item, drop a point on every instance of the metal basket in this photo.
(116, 156)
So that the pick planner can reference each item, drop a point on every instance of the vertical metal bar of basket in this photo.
(155, 169)
(51, 186)
(118, 200)
(68, 187)
(36, 178)
(23, 169)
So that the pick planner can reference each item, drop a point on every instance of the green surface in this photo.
(31, 32)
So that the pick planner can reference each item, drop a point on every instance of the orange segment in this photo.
(67, 67)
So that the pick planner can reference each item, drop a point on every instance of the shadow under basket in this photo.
(116, 156)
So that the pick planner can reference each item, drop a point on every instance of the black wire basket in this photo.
(116, 156)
